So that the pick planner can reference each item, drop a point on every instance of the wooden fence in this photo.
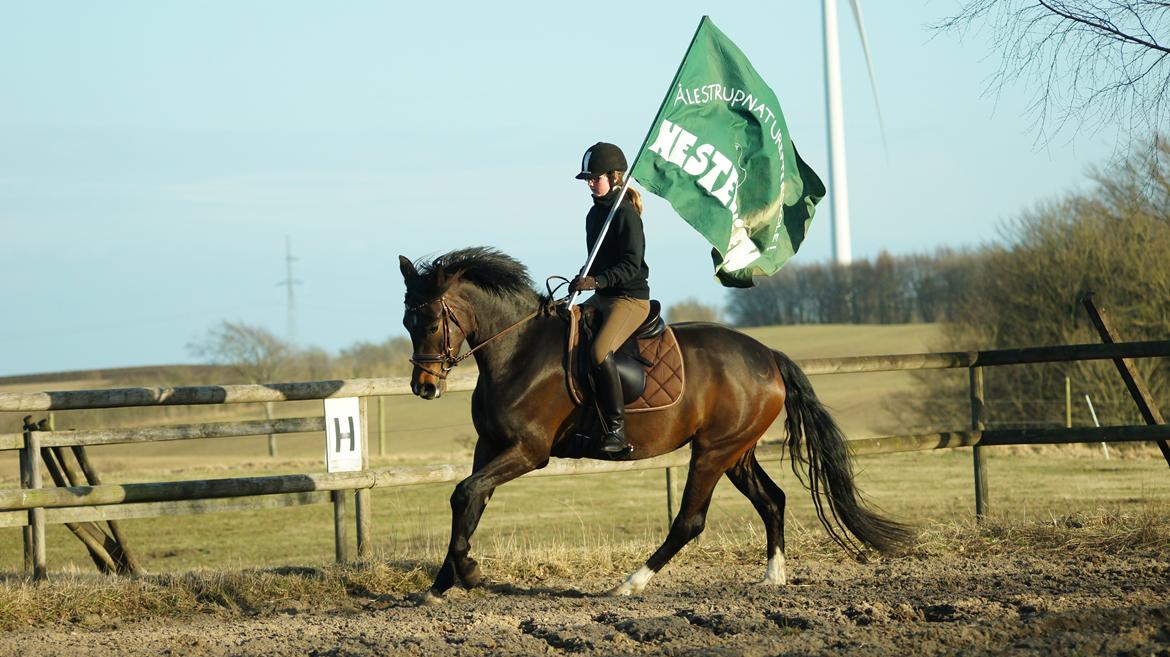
(34, 505)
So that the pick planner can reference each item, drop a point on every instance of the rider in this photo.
(618, 278)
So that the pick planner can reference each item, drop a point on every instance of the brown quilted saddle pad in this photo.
(665, 373)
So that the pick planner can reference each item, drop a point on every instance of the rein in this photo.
(448, 359)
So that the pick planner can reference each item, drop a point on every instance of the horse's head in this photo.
(450, 299)
(438, 325)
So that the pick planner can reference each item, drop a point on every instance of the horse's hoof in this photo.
(776, 574)
(428, 598)
(772, 583)
(635, 583)
(624, 590)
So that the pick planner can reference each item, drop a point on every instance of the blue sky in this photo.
(153, 156)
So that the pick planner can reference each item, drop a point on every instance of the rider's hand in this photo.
(583, 283)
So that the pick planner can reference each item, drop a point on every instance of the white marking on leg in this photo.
(775, 575)
(634, 583)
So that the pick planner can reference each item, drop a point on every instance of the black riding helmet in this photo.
(600, 159)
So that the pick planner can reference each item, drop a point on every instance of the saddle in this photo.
(649, 363)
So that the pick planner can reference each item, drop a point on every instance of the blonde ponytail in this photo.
(635, 199)
(615, 180)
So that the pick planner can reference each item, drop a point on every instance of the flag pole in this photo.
(626, 179)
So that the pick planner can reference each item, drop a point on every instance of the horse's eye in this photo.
(433, 329)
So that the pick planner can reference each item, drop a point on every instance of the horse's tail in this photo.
(828, 470)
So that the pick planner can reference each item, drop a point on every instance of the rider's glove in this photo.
(583, 283)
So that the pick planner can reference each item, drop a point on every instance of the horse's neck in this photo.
(509, 354)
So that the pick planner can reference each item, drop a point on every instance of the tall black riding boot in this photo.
(607, 388)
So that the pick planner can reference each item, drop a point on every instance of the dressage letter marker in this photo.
(343, 435)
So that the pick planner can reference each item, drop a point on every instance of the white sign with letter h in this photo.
(343, 435)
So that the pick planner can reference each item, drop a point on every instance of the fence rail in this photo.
(33, 505)
(312, 390)
(202, 395)
(994, 357)
(207, 489)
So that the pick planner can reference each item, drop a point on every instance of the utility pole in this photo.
(290, 282)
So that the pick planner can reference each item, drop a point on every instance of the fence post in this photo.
(35, 549)
(361, 497)
(382, 426)
(1097, 423)
(340, 538)
(26, 482)
(669, 496)
(1134, 381)
(271, 436)
(89, 475)
(978, 417)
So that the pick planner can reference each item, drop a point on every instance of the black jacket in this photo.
(620, 267)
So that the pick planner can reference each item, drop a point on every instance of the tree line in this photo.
(1112, 239)
(252, 354)
(887, 290)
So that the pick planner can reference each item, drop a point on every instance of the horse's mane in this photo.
(489, 269)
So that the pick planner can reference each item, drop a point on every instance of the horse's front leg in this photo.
(467, 505)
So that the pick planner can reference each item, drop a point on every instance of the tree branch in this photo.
(1103, 25)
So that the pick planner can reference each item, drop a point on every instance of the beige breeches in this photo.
(621, 316)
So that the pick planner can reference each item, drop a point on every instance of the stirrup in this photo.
(611, 443)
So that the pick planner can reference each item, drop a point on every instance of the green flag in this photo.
(720, 152)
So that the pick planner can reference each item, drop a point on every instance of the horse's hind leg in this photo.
(751, 480)
(689, 523)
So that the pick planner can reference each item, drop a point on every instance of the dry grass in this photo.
(1099, 531)
(93, 600)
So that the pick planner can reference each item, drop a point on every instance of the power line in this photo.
(290, 283)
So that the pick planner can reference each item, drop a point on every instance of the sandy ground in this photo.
(1019, 605)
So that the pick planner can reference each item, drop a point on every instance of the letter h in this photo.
(343, 436)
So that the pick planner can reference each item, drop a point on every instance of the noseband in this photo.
(448, 358)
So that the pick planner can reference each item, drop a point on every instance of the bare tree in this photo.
(389, 358)
(1101, 62)
(252, 352)
(693, 310)
(1113, 239)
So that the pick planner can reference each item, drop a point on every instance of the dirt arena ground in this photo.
(1080, 604)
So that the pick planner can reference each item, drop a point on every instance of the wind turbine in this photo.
(838, 188)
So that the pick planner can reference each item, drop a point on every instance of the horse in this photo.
(523, 414)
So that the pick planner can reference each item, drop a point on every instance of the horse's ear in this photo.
(407, 267)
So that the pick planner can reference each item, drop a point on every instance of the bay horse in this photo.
(522, 412)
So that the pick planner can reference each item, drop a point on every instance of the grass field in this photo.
(596, 514)
(601, 514)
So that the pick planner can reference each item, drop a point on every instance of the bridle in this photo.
(448, 358)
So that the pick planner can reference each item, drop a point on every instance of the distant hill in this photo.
(127, 375)
(802, 341)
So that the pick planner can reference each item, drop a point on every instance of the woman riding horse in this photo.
(736, 387)
(618, 277)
